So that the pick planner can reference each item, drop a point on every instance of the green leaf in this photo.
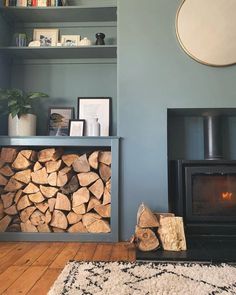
(18, 102)
(34, 95)
(12, 102)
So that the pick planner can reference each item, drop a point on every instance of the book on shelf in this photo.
(35, 3)
(21, 3)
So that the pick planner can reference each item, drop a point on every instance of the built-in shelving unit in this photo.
(64, 73)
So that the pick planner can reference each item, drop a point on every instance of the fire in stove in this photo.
(227, 196)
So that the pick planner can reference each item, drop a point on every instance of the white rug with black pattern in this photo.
(141, 278)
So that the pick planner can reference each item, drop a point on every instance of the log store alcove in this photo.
(44, 196)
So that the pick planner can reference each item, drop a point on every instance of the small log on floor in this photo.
(145, 217)
(171, 233)
(146, 239)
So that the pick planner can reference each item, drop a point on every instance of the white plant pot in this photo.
(25, 126)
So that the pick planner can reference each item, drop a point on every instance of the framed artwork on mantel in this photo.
(96, 107)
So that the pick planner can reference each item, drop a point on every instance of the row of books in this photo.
(36, 3)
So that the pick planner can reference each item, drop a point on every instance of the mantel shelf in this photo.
(71, 141)
(106, 51)
(81, 13)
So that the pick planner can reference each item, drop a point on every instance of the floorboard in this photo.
(32, 268)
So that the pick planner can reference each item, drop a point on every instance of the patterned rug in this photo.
(140, 278)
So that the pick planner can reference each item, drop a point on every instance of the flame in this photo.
(227, 196)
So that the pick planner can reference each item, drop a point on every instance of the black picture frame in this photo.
(59, 124)
(81, 133)
(99, 107)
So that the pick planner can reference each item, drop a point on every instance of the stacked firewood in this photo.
(155, 230)
(51, 191)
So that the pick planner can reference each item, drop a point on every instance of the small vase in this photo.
(23, 126)
(100, 39)
(93, 127)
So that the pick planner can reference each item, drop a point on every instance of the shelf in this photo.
(71, 141)
(60, 14)
(106, 51)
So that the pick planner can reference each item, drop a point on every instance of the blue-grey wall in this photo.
(65, 82)
(154, 74)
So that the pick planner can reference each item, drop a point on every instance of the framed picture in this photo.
(96, 107)
(70, 40)
(76, 127)
(46, 37)
(59, 119)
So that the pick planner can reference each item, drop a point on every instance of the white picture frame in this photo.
(46, 37)
(70, 40)
(76, 127)
(96, 107)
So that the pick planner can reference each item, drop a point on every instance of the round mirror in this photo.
(206, 30)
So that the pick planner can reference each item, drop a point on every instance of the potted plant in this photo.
(21, 122)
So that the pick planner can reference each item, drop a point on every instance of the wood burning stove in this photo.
(204, 193)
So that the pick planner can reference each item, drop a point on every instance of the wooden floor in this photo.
(31, 268)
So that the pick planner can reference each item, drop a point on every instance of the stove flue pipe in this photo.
(213, 137)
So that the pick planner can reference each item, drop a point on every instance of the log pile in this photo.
(51, 191)
(155, 230)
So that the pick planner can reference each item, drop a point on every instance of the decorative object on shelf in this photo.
(76, 127)
(21, 122)
(42, 3)
(93, 127)
(47, 37)
(21, 3)
(34, 44)
(100, 39)
(96, 107)
(85, 42)
(20, 40)
(59, 118)
(70, 40)
(206, 31)
(25, 126)
(59, 44)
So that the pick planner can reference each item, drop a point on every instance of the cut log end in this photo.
(146, 239)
